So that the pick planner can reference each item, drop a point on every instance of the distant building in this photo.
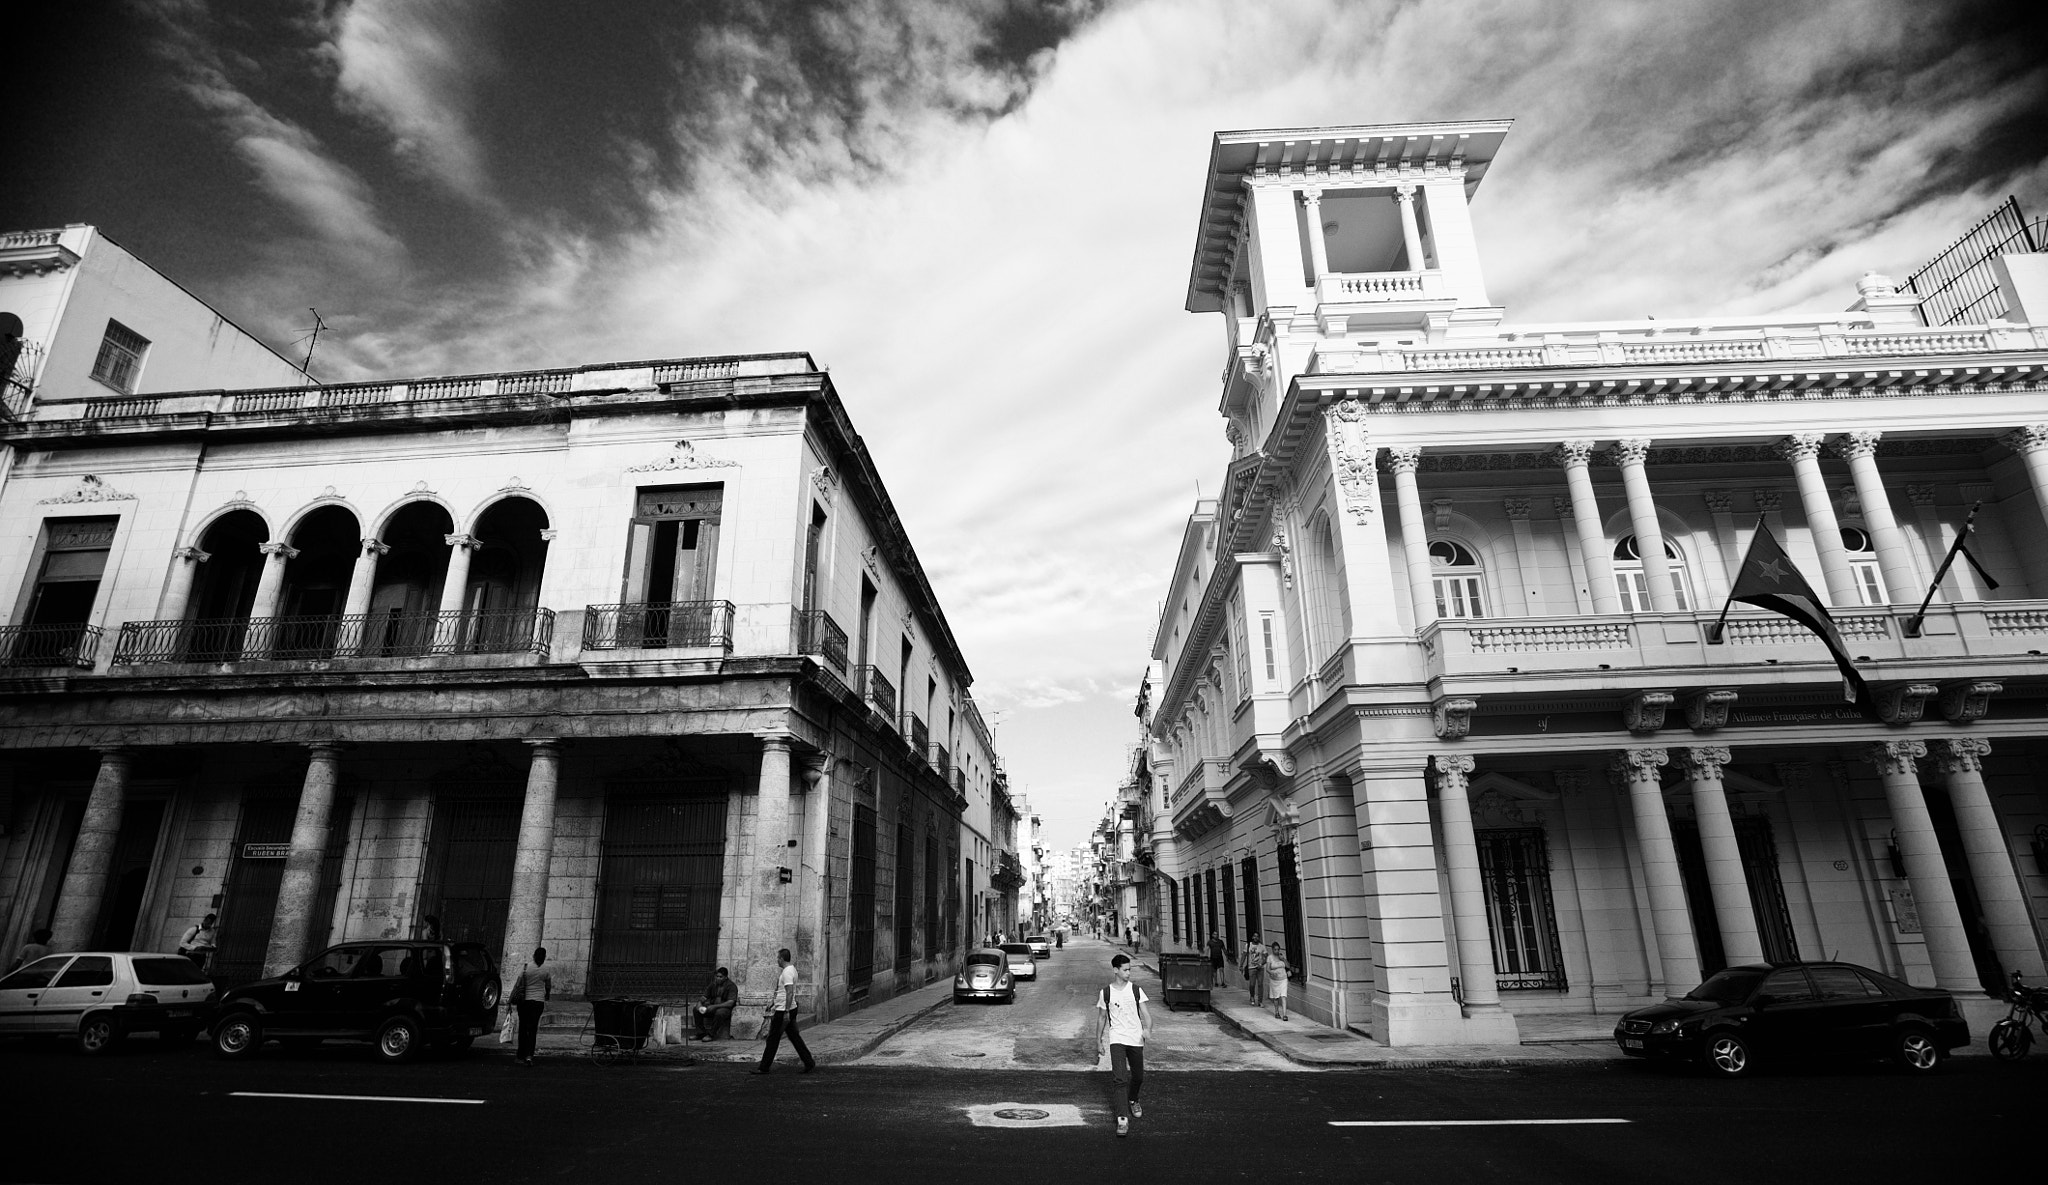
(1439, 698)
(631, 660)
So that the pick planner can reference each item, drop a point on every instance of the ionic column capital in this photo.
(1802, 446)
(1575, 454)
(1404, 458)
(278, 551)
(375, 547)
(1633, 451)
(1859, 444)
(1895, 757)
(2027, 438)
(192, 555)
(1453, 771)
(459, 539)
(1961, 755)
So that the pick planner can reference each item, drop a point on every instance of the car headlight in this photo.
(1662, 1027)
(960, 981)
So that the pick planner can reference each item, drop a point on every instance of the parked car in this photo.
(1021, 962)
(985, 975)
(100, 997)
(1791, 1011)
(1041, 945)
(401, 996)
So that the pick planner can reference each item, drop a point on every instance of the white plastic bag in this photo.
(508, 1031)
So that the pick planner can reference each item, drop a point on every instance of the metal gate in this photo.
(860, 900)
(1290, 915)
(1514, 867)
(249, 904)
(1766, 888)
(906, 895)
(656, 932)
(470, 854)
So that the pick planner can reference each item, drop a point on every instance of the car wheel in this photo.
(1727, 1055)
(1916, 1052)
(484, 993)
(98, 1034)
(398, 1040)
(237, 1036)
(2010, 1040)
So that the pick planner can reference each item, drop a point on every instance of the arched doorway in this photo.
(504, 576)
(224, 590)
(408, 590)
(316, 584)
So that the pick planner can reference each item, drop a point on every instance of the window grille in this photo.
(1290, 915)
(1514, 866)
(120, 357)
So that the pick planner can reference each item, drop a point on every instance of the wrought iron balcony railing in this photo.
(71, 645)
(940, 760)
(664, 625)
(875, 690)
(914, 730)
(817, 633)
(313, 639)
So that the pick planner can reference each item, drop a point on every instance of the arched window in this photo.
(1863, 566)
(1455, 573)
(1629, 580)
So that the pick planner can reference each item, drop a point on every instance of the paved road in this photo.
(137, 1116)
(1052, 1027)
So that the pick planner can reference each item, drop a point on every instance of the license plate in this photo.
(1631, 1042)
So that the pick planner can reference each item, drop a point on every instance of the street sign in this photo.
(266, 851)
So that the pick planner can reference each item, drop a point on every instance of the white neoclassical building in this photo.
(1437, 700)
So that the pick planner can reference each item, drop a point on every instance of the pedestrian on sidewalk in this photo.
(782, 1019)
(1122, 1023)
(529, 997)
(1276, 979)
(1216, 959)
(37, 947)
(715, 1008)
(1255, 969)
(197, 943)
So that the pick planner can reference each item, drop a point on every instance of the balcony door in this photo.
(672, 562)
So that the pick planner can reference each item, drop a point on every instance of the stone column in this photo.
(1669, 917)
(1741, 942)
(270, 586)
(1411, 233)
(526, 915)
(455, 584)
(92, 857)
(362, 583)
(1803, 450)
(291, 927)
(1414, 536)
(1476, 971)
(1642, 514)
(1901, 582)
(1575, 456)
(1318, 247)
(1941, 922)
(2031, 443)
(1999, 892)
(178, 592)
(767, 895)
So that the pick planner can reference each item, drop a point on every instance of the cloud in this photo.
(412, 66)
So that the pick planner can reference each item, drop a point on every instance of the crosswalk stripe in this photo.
(349, 1098)
(1467, 1122)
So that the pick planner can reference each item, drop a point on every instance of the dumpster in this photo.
(620, 1023)
(1185, 979)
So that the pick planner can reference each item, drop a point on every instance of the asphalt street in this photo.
(145, 1115)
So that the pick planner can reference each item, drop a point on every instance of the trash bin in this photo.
(1185, 979)
(620, 1023)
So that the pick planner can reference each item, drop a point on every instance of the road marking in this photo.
(1026, 1115)
(1467, 1122)
(350, 1098)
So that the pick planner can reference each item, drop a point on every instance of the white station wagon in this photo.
(100, 997)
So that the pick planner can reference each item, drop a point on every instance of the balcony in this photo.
(1542, 653)
(18, 377)
(1379, 287)
(914, 731)
(665, 625)
(321, 639)
(71, 645)
(942, 761)
(1201, 802)
(818, 635)
(875, 691)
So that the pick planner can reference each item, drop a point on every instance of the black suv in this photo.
(399, 995)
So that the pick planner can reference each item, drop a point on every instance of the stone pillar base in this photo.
(1398, 1021)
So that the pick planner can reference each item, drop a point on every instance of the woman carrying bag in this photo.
(529, 997)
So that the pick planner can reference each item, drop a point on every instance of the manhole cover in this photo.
(1025, 1113)
(1014, 1115)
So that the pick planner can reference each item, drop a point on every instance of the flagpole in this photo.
(1913, 623)
(1714, 631)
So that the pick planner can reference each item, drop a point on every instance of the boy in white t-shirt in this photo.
(1122, 1023)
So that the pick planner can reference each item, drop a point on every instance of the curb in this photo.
(892, 1028)
(1397, 1062)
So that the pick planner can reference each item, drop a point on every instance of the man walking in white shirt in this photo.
(782, 1019)
(1122, 1023)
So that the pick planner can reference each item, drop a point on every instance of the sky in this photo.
(980, 215)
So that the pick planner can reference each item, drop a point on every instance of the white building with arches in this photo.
(633, 661)
(1436, 698)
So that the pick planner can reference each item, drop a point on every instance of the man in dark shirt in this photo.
(715, 1008)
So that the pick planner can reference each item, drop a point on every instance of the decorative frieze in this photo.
(683, 455)
(89, 489)
(1351, 457)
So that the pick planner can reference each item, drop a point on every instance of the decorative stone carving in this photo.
(1708, 710)
(89, 489)
(1644, 711)
(1572, 454)
(1861, 443)
(548, 534)
(1404, 459)
(814, 768)
(1718, 501)
(1968, 699)
(375, 547)
(1441, 511)
(465, 541)
(1633, 451)
(1903, 703)
(1768, 501)
(1793, 775)
(285, 550)
(1920, 495)
(1453, 718)
(1637, 764)
(1801, 446)
(826, 482)
(1570, 782)
(1561, 507)
(1517, 508)
(192, 555)
(683, 456)
(1233, 434)
(1894, 757)
(1961, 755)
(1352, 458)
(515, 486)
(1453, 771)
(1706, 761)
(2028, 438)
(1281, 546)
(1283, 817)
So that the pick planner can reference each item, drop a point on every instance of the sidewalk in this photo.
(565, 1029)
(1546, 1041)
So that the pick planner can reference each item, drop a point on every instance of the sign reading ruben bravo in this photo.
(266, 851)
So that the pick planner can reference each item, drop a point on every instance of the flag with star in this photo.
(1769, 580)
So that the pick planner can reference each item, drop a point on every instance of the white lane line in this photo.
(1467, 1122)
(349, 1098)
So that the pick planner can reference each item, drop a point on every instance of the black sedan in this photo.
(1793, 1011)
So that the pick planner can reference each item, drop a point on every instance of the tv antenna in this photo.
(312, 340)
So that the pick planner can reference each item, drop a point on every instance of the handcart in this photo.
(619, 1033)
